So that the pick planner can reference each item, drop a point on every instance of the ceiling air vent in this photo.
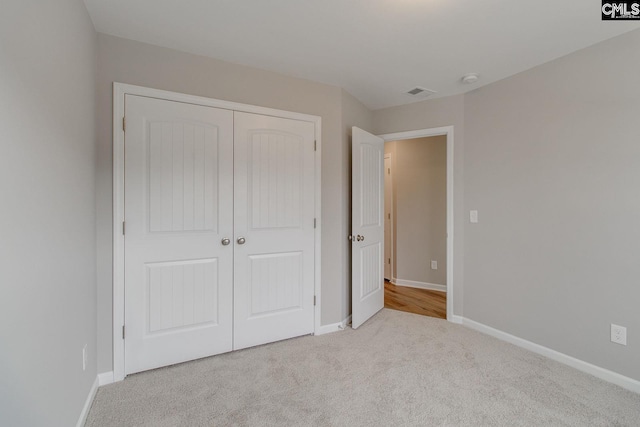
(422, 92)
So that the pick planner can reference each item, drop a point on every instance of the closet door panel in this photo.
(178, 208)
(274, 217)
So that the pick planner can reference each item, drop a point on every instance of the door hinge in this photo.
(389, 216)
(388, 171)
(123, 227)
(389, 261)
(315, 145)
(122, 331)
(124, 124)
(314, 223)
(314, 300)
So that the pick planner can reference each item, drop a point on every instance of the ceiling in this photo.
(377, 50)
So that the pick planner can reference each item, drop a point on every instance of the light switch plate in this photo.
(473, 217)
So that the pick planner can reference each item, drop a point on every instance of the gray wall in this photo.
(552, 164)
(550, 160)
(126, 61)
(420, 208)
(47, 220)
(431, 114)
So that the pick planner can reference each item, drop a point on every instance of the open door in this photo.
(367, 228)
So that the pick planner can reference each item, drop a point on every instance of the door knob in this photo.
(241, 240)
(226, 241)
(362, 238)
(359, 238)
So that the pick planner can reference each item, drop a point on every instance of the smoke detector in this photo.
(470, 78)
(421, 91)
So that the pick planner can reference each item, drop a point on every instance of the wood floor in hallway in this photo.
(413, 300)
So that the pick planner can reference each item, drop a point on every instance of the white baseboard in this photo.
(105, 378)
(420, 285)
(334, 327)
(581, 365)
(87, 404)
(101, 379)
(456, 319)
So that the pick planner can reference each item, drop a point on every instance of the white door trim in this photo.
(119, 92)
(448, 132)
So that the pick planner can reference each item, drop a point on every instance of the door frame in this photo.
(119, 92)
(448, 132)
(392, 212)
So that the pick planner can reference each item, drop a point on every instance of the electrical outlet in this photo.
(618, 334)
(84, 358)
(434, 265)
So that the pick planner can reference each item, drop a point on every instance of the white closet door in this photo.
(178, 208)
(274, 217)
(367, 189)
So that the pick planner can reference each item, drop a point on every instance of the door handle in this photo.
(226, 241)
(241, 240)
(359, 238)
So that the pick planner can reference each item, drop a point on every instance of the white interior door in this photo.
(367, 226)
(178, 208)
(274, 229)
(388, 201)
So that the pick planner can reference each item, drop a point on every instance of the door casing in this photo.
(119, 92)
(448, 132)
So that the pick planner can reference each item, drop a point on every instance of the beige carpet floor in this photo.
(398, 369)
